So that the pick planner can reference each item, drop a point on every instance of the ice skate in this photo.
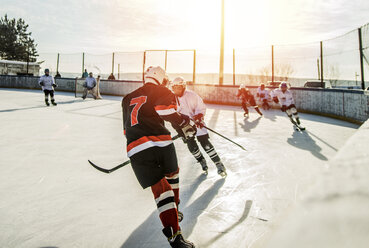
(246, 115)
(53, 102)
(180, 216)
(47, 103)
(221, 169)
(204, 166)
(176, 240)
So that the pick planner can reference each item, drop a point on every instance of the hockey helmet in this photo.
(242, 86)
(283, 85)
(179, 81)
(156, 75)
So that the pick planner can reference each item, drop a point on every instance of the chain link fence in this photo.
(341, 62)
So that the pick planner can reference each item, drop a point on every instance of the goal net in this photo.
(80, 90)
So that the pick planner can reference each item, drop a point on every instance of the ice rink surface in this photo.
(51, 197)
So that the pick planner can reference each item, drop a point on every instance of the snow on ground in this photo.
(51, 197)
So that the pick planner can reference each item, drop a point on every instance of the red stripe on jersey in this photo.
(146, 139)
(164, 107)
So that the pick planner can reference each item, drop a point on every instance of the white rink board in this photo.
(51, 197)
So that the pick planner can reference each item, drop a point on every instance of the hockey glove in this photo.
(284, 108)
(186, 130)
(55, 85)
(42, 83)
(199, 120)
(275, 99)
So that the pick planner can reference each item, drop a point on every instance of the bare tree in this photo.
(264, 73)
(284, 71)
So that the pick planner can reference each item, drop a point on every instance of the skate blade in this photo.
(205, 172)
(223, 174)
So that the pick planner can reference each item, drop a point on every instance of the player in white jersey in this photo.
(47, 83)
(263, 95)
(191, 104)
(285, 98)
(90, 86)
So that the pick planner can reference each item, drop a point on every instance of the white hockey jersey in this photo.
(48, 82)
(263, 94)
(285, 98)
(191, 104)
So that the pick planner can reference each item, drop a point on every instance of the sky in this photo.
(102, 27)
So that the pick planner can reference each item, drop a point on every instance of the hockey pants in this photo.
(47, 93)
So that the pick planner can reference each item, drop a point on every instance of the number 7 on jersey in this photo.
(138, 102)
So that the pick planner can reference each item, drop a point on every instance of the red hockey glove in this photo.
(284, 108)
(199, 120)
(275, 99)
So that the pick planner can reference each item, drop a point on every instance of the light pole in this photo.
(221, 61)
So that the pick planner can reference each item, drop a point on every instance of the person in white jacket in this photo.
(284, 97)
(47, 84)
(191, 105)
(90, 86)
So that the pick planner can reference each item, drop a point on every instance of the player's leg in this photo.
(210, 150)
(168, 161)
(295, 113)
(52, 97)
(195, 151)
(46, 92)
(289, 114)
(255, 106)
(244, 107)
(84, 95)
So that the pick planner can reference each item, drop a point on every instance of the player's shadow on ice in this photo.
(149, 235)
(248, 125)
(303, 141)
(40, 106)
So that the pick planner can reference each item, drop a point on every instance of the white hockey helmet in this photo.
(156, 75)
(242, 86)
(179, 81)
(283, 85)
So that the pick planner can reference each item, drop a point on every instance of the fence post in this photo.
(234, 67)
(57, 64)
(166, 59)
(83, 62)
(361, 59)
(112, 65)
(221, 59)
(272, 63)
(143, 69)
(321, 62)
(118, 71)
(194, 67)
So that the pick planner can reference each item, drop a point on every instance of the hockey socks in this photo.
(165, 201)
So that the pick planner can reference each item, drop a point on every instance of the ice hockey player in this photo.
(191, 104)
(151, 150)
(284, 96)
(89, 85)
(48, 84)
(263, 95)
(247, 98)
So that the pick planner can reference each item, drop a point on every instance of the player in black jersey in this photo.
(150, 147)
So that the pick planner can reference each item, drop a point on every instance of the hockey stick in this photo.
(225, 137)
(118, 166)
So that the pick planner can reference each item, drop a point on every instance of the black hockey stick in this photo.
(118, 166)
(224, 137)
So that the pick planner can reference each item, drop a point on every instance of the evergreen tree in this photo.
(15, 41)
